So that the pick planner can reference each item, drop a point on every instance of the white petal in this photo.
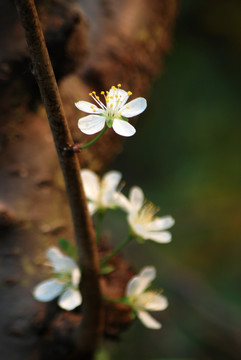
(76, 276)
(136, 198)
(91, 184)
(91, 124)
(160, 237)
(65, 265)
(54, 255)
(111, 180)
(88, 107)
(122, 202)
(148, 320)
(161, 223)
(123, 128)
(139, 283)
(92, 208)
(70, 299)
(48, 290)
(109, 184)
(122, 96)
(152, 301)
(134, 107)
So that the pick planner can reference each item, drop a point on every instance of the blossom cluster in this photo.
(103, 194)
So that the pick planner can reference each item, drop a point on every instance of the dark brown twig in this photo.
(84, 232)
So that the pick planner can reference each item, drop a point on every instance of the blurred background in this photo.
(186, 157)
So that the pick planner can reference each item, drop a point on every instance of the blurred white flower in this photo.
(101, 193)
(142, 301)
(142, 219)
(114, 113)
(64, 283)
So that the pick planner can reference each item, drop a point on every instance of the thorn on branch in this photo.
(71, 149)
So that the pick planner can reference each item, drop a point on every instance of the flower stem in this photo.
(95, 139)
(116, 250)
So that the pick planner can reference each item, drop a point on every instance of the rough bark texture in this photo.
(93, 45)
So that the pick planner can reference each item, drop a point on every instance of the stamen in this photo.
(119, 85)
(129, 93)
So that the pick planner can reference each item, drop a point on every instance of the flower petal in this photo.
(91, 124)
(70, 299)
(148, 320)
(48, 290)
(122, 202)
(76, 276)
(91, 183)
(122, 97)
(139, 283)
(136, 198)
(54, 255)
(123, 128)
(109, 184)
(160, 223)
(111, 180)
(92, 207)
(88, 107)
(161, 237)
(152, 301)
(134, 107)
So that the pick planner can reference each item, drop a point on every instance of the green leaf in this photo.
(67, 247)
(106, 269)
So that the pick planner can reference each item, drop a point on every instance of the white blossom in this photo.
(142, 301)
(102, 192)
(64, 283)
(113, 113)
(141, 217)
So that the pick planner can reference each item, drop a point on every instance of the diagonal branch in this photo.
(83, 227)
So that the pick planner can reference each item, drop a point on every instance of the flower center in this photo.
(146, 214)
(143, 300)
(115, 99)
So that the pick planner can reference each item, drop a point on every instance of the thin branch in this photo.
(83, 227)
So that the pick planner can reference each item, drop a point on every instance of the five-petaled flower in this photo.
(64, 283)
(142, 301)
(141, 217)
(112, 114)
(102, 193)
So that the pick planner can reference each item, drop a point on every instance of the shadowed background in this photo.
(186, 157)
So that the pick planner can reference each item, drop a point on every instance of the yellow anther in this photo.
(113, 87)
(129, 93)
(92, 106)
(127, 107)
(119, 85)
(107, 100)
(90, 94)
(93, 92)
(97, 97)
(116, 96)
(111, 105)
(102, 93)
(107, 92)
(111, 97)
(119, 113)
(94, 110)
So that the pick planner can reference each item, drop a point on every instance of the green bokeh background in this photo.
(186, 156)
